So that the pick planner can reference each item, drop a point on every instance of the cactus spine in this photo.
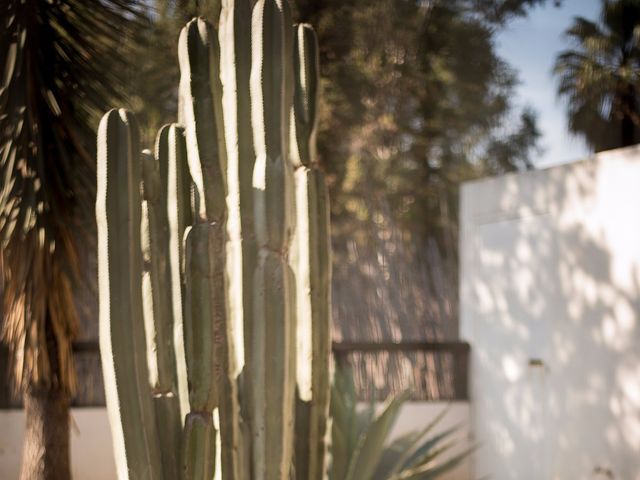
(201, 263)
(310, 258)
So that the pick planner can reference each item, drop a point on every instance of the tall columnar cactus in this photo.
(158, 310)
(273, 330)
(310, 258)
(122, 338)
(171, 155)
(235, 69)
(203, 337)
(212, 328)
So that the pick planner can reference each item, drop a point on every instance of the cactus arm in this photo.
(272, 331)
(207, 160)
(122, 340)
(289, 76)
(199, 447)
(158, 308)
(289, 87)
(304, 261)
(321, 377)
(203, 302)
(273, 393)
(204, 298)
(158, 313)
(207, 349)
(310, 257)
(311, 263)
(305, 101)
(200, 87)
(171, 156)
(235, 67)
(267, 100)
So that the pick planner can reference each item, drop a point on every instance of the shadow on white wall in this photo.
(550, 298)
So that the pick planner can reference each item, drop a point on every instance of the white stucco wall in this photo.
(550, 302)
(92, 454)
(417, 415)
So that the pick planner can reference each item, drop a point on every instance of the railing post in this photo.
(461, 372)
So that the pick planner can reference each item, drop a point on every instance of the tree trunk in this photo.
(45, 453)
(628, 131)
(629, 109)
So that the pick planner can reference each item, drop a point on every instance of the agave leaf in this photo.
(393, 453)
(418, 455)
(344, 430)
(432, 472)
(429, 461)
(372, 440)
(405, 460)
(412, 456)
(436, 453)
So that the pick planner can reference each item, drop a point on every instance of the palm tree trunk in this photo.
(46, 444)
(46, 453)
(628, 111)
(628, 131)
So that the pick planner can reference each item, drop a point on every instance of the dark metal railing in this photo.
(432, 371)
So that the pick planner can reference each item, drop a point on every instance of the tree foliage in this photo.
(599, 76)
(415, 101)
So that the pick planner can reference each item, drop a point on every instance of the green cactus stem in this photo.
(203, 301)
(171, 155)
(215, 350)
(198, 52)
(235, 68)
(200, 66)
(157, 307)
(273, 338)
(158, 312)
(311, 263)
(306, 93)
(122, 337)
(199, 447)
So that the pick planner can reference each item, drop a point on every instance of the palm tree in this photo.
(62, 60)
(599, 77)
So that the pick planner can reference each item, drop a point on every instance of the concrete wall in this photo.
(92, 454)
(417, 415)
(550, 298)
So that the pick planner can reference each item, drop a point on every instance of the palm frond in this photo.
(599, 75)
(582, 29)
(64, 64)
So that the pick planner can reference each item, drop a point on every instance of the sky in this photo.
(530, 45)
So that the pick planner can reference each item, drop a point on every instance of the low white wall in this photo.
(550, 302)
(92, 454)
(417, 415)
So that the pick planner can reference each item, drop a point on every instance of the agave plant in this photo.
(360, 440)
